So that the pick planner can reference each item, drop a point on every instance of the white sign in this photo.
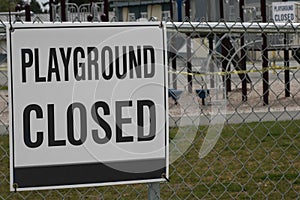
(284, 11)
(88, 104)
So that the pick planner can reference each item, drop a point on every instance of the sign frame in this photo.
(283, 12)
(34, 177)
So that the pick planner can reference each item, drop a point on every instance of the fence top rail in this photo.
(233, 27)
(12, 13)
(224, 27)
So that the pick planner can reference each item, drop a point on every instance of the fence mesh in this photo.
(234, 100)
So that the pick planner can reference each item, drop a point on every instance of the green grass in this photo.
(253, 160)
(4, 87)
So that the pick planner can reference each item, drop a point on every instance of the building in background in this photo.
(201, 10)
(210, 10)
(141, 10)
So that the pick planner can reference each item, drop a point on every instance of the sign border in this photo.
(14, 186)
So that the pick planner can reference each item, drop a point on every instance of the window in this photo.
(144, 15)
(232, 14)
(166, 15)
(131, 17)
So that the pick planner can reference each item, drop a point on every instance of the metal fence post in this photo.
(50, 10)
(27, 13)
(286, 64)
(224, 51)
(153, 191)
(171, 9)
(243, 53)
(189, 50)
(106, 12)
(265, 55)
(179, 10)
(63, 11)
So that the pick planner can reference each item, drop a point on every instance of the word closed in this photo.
(84, 132)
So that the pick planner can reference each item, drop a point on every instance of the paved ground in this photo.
(236, 111)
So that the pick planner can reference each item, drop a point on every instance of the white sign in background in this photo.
(284, 11)
(44, 60)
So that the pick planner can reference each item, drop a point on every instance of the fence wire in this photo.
(234, 102)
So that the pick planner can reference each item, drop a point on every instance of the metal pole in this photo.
(221, 4)
(27, 13)
(189, 64)
(153, 191)
(106, 5)
(286, 64)
(171, 10)
(50, 10)
(187, 9)
(265, 56)
(211, 68)
(63, 10)
(172, 51)
(286, 71)
(179, 6)
(243, 54)
(211, 45)
(174, 66)
(189, 50)
(224, 52)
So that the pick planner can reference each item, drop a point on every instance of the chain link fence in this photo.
(234, 102)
